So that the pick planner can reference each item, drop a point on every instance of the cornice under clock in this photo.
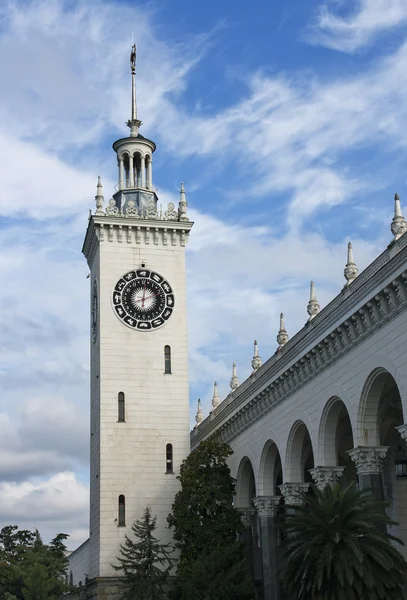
(340, 326)
(133, 230)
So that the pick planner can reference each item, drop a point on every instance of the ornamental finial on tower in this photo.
(256, 361)
(351, 270)
(398, 224)
(183, 204)
(199, 414)
(234, 382)
(216, 398)
(282, 336)
(99, 198)
(134, 123)
(313, 306)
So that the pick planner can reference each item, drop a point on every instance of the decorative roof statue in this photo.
(216, 398)
(99, 198)
(313, 306)
(256, 361)
(234, 382)
(398, 224)
(282, 336)
(183, 204)
(199, 414)
(351, 270)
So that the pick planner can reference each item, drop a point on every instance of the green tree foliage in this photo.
(220, 575)
(29, 569)
(145, 563)
(203, 516)
(338, 548)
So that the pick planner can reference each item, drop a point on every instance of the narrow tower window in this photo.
(121, 410)
(168, 452)
(167, 359)
(122, 511)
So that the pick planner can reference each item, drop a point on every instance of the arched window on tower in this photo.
(168, 453)
(121, 408)
(122, 511)
(167, 359)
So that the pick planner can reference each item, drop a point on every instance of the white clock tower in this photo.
(139, 354)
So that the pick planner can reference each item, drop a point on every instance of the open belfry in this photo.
(139, 435)
(329, 405)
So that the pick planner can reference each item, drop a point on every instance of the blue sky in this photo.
(285, 120)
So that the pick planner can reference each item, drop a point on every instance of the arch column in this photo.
(121, 173)
(402, 429)
(267, 507)
(369, 468)
(143, 171)
(292, 492)
(131, 171)
(247, 516)
(324, 476)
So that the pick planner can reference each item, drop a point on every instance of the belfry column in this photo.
(131, 171)
(150, 173)
(143, 172)
(369, 468)
(121, 173)
(267, 510)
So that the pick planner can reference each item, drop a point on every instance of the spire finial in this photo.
(234, 382)
(216, 398)
(351, 270)
(134, 123)
(282, 336)
(256, 361)
(99, 198)
(313, 306)
(398, 224)
(199, 414)
(182, 206)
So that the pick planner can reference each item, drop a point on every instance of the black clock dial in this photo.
(143, 299)
(95, 309)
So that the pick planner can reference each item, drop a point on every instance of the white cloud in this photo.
(55, 505)
(348, 34)
(287, 139)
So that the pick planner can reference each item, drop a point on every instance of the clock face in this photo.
(95, 309)
(143, 300)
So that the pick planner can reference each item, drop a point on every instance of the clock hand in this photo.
(144, 294)
(147, 297)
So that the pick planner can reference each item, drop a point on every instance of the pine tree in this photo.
(145, 563)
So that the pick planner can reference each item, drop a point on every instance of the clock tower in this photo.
(139, 354)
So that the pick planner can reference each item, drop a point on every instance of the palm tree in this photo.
(338, 548)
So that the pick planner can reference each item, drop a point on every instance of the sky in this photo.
(286, 120)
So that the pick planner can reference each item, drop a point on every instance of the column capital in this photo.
(246, 516)
(402, 429)
(292, 492)
(368, 459)
(326, 475)
(266, 506)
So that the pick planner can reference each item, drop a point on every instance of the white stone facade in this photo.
(129, 458)
(339, 384)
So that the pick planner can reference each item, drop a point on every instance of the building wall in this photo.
(131, 459)
(79, 564)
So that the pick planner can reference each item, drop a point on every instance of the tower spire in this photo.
(282, 336)
(216, 398)
(398, 225)
(134, 123)
(313, 306)
(234, 382)
(351, 270)
(256, 361)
